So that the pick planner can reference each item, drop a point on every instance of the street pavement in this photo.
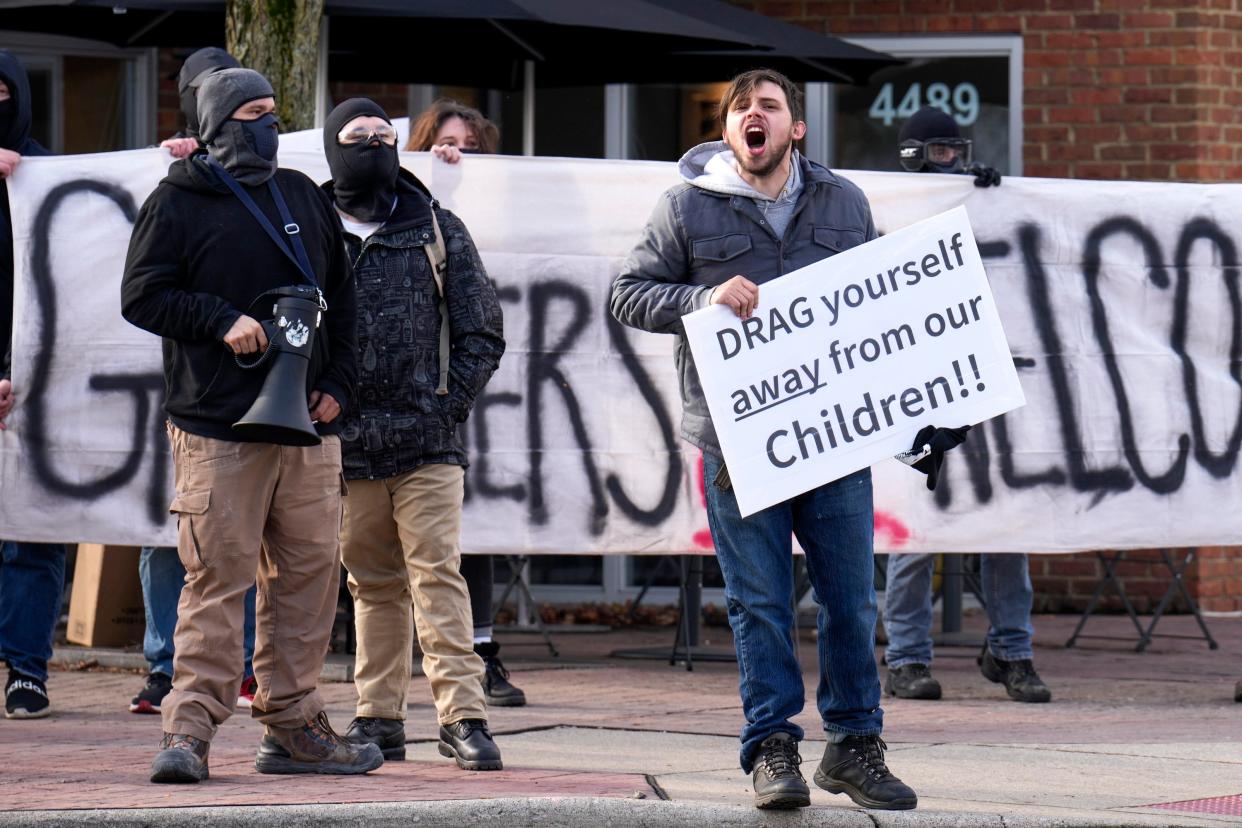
(1130, 738)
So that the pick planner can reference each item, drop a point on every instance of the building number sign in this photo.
(960, 101)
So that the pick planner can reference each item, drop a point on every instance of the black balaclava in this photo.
(247, 149)
(15, 112)
(927, 124)
(193, 72)
(364, 176)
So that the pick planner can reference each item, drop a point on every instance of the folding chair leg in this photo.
(1178, 584)
(1110, 577)
(518, 564)
(642, 593)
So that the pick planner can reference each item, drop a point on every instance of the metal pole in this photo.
(694, 598)
(951, 594)
(528, 109)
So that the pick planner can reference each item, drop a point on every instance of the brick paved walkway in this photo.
(92, 753)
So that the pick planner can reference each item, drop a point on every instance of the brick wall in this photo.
(168, 118)
(1119, 89)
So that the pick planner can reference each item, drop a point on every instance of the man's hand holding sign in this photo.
(845, 360)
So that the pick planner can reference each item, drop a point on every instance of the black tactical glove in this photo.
(984, 176)
(937, 441)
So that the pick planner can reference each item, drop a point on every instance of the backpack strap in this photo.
(437, 255)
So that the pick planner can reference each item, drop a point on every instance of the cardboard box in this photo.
(105, 609)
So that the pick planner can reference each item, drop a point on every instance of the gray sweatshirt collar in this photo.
(712, 166)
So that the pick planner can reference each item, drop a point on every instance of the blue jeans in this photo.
(162, 575)
(835, 525)
(1006, 581)
(32, 583)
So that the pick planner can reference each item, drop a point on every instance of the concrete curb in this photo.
(563, 812)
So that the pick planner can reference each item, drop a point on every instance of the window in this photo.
(977, 80)
(87, 96)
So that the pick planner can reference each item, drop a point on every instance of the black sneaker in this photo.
(912, 681)
(152, 694)
(1021, 681)
(25, 697)
(776, 778)
(182, 759)
(496, 686)
(469, 743)
(855, 767)
(1237, 691)
(386, 734)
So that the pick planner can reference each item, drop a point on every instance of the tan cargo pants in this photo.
(399, 544)
(247, 509)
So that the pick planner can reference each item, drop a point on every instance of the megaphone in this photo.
(279, 414)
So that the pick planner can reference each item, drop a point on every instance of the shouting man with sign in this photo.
(751, 209)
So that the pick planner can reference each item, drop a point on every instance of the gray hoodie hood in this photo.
(712, 166)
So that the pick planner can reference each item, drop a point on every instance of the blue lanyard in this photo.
(298, 254)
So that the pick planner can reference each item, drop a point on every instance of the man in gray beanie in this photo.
(211, 245)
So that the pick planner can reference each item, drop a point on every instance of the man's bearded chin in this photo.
(766, 164)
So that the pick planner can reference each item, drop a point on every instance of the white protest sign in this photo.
(844, 360)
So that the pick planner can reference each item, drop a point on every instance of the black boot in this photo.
(1237, 691)
(470, 744)
(386, 734)
(181, 759)
(912, 681)
(776, 778)
(1021, 681)
(496, 686)
(855, 767)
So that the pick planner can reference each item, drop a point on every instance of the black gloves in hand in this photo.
(938, 440)
(984, 176)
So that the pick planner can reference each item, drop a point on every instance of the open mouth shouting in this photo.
(756, 140)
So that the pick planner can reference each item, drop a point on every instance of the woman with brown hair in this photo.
(448, 128)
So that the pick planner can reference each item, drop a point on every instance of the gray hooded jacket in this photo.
(708, 230)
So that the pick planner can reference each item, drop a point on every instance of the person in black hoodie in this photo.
(197, 67)
(32, 575)
(430, 336)
(200, 267)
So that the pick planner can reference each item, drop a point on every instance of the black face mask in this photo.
(262, 135)
(8, 111)
(247, 149)
(189, 108)
(364, 178)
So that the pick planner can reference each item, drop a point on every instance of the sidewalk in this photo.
(1129, 739)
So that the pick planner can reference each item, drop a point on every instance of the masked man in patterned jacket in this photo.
(430, 337)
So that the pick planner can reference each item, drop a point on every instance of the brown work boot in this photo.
(181, 758)
(313, 747)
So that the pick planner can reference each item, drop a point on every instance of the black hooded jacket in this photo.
(198, 260)
(397, 421)
(16, 137)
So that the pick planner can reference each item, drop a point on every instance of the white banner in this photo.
(846, 359)
(1130, 436)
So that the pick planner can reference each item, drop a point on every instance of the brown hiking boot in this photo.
(181, 759)
(313, 747)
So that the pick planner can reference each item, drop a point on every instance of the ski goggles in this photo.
(941, 154)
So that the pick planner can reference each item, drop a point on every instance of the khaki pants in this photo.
(399, 544)
(247, 509)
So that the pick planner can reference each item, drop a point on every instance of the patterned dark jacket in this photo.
(397, 422)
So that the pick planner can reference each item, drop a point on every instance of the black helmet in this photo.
(931, 142)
